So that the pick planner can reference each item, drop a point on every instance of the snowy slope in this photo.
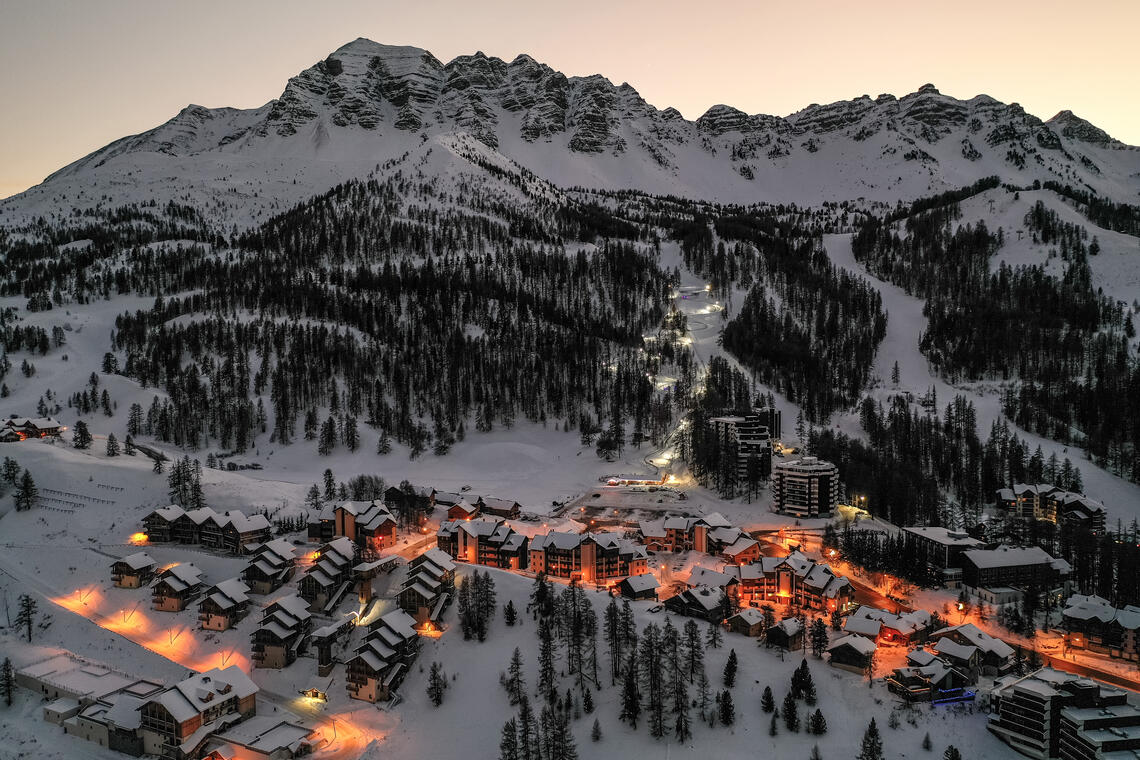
(369, 103)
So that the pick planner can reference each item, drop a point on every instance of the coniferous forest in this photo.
(1062, 345)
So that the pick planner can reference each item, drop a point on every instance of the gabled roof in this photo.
(707, 597)
(643, 582)
(749, 616)
(437, 557)
(200, 692)
(293, 604)
(702, 576)
(952, 648)
(137, 561)
(180, 577)
(863, 626)
(921, 657)
(978, 638)
(860, 644)
(790, 626)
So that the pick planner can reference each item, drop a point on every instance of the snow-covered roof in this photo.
(652, 528)
(741, 545)
(945, 536)
(921, 656)
(643, 582)
(1007, 556)
(196, 694)
(1081, 607)
(556, 539)
(707, 597)
(180, 577)
(860, 644)
(951, 648)
(292, 604)
(978, 638)
(703, 576)
(790, 626)
(137, 561)
(437, 557)
(749, 615)
(863, 626)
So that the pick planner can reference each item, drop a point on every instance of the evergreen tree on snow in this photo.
(872, 747)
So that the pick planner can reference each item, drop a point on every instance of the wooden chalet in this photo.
(223, 605)
(429, 587)
(505, 508)
(748, 622)
(936, 682)
(177, 722)
(642, 586)
(996, 657)
(282, 634)
(175, 587)
(34, 427)
(233, 531)
(705, 602)
(854, 653)
(133, 571)
(322, 527)
(381, 662)
(271, 566)
(462, 510)
(788, 634)
(330, 577)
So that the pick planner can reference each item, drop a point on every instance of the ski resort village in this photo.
(473, 410)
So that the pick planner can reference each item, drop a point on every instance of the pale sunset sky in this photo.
(77, 75)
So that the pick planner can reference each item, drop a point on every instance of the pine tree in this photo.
(895, 375)
(815, 753)
(727, 711)
(328, 437)
(7, 682)
(508, 741)
(704, 692)
(516, 682)
(546, 684)
(157, 467)
(81, 439)
(528, 740)
(872, 748)
(694, 649)
(510, 615)
(384, 444)
(714, 638)
(730, 669)
(893, 720)
(351, 434)
(772, 728)
(27, 614)
(596, 731)
(791, 713)
(767, 701)
(11, 470)
(630, 695)
(112, 445)
(819, 637)
(951, 753)
(817, 724)
(129, 446)
(926, 743)
(588, 701)
(437, 684)
(26, 493)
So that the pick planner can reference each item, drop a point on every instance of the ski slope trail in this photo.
(905, 324)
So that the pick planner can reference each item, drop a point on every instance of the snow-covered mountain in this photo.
(367, 104)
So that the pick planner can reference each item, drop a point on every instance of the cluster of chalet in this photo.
(282, 634)
(1047, 502)
(793, 580)
(483, 541)
(711, 534)
(231, 531)
(887, 628)
(1053, 714)
(468, 507)
(787, 634)
(23, 428)
(1092, 623)
(380, 663)
(600, 558)
(429, 587)
(210, 714)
